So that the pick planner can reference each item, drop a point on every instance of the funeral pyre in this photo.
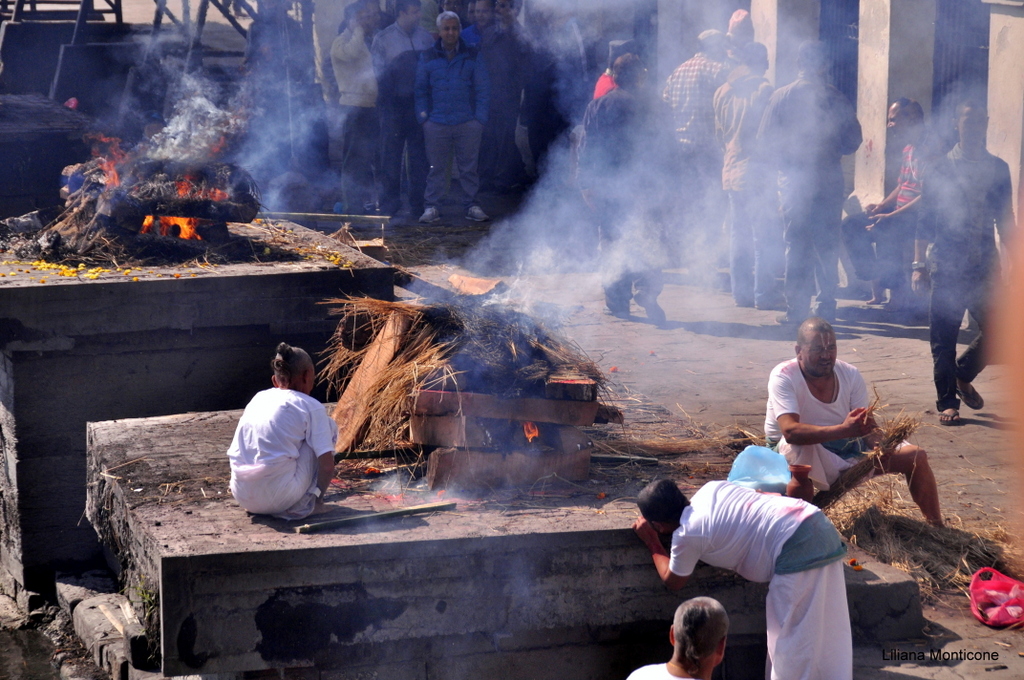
(120, 195)
(486, 391)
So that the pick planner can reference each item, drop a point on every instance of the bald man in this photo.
(282, 454)
(818, 416)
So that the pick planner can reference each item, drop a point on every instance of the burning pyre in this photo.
(119, 195)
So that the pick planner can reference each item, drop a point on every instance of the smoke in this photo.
(198, 128)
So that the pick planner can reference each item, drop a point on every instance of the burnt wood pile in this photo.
(120, 196)
(488, 395)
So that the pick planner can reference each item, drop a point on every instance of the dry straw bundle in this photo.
(892, 432)
(475, 347)
(878, 520)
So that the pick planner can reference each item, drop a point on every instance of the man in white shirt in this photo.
(783, 541)
(282, 454)
(818, 415)
(697, 636)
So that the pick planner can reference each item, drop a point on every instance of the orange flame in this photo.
(186, 226)
(189, 187)
(110, 157)
(530, 430)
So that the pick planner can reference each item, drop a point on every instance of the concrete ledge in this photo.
(481, 591)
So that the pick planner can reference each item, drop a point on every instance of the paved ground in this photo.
(711, 363)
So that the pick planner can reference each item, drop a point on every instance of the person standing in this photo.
(452, 96)
(483, 19)
(395, 52)
(785, 542)
(690, 93)
(967, 197)
(755, 233)
(615, 147)
(806, 130)
(504, 51)
(357, 97)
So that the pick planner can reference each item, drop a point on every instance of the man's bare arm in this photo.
(325, 472)
(858, 423)
(661, 558)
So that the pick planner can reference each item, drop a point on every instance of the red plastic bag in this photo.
(996, 599)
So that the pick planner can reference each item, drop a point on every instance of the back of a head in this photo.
(754, 56)
(713, 43)
(290, 363)
(812, 58)
(628, 71)
(662, 501)
(618, 48)
(699, 626)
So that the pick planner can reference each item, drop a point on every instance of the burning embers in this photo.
(125, 194)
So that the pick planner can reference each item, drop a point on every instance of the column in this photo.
(782, 25)
(1006, 88)
(896, 47)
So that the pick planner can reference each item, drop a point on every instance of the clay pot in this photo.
(800, 484)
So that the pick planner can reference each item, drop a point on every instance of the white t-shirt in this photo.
(788, 393)
(656, 671)
(279, 433)
(737, 528)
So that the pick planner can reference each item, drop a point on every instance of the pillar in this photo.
(896, 46)
(1006, 88)
(782, 25)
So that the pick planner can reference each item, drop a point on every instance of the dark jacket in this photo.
(452, 92)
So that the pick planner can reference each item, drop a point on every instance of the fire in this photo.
(530, 430)
(111, 156)
(186, 226)
(189, 188)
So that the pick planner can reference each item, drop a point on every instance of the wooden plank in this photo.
(325, 217)
(417, 286)
(463, 431)
(373, 516)
(475, 469)
(574, 386)
(352, 412)
(613, 459)
(438, 403)
(609, 414)
(469, 285)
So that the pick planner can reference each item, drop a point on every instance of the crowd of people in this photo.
(430, 103)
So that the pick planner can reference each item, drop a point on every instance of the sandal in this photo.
(970, 397)
(950, 417)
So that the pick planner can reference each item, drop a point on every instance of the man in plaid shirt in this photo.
(690, 93)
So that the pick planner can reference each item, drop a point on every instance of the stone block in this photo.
(885, 603)
(96, 631)
(73, 588)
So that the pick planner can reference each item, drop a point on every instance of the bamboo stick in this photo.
(361, 519)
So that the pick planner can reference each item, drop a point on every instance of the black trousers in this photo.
(952, 295)
(400, 132)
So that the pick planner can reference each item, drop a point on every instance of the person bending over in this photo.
(282, 455)
(818, 415)
(697, 636)
(783, 541)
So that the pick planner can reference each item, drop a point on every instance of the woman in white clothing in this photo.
(282, 454)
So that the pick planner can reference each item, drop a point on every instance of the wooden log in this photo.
(462, 431)
(476, 469)
(438, 403)
(608, 414)
(417, 286)
(574, 386)
(613, 459)
(469, 285)
(373, 517)
(352, 412)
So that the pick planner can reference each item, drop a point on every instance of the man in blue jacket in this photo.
(452, 92)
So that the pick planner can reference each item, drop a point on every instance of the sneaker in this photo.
(476, 214)
(430, 215)
(787, 319)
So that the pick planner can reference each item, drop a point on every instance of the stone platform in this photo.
(92, 344)
(548, 584)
